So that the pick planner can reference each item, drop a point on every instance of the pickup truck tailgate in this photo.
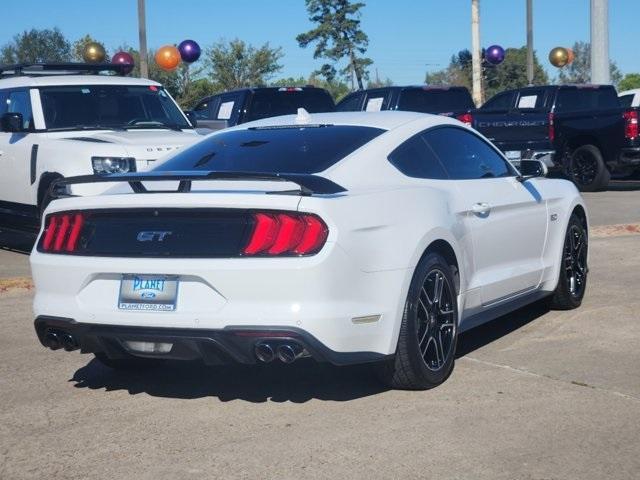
(514, 131)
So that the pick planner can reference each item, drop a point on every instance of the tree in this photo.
(378, 83)
(78, 47)
(337, 36)
(236, 64)
(629, 82)
(511, 73)
(196, 90)
(580, 70)
(37, 46)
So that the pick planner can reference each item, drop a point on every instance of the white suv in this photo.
(59, 121)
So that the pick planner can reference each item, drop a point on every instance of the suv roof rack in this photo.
(60, 68)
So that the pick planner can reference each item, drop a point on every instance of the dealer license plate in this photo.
(148, 292)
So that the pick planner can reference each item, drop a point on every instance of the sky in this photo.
(406, 38)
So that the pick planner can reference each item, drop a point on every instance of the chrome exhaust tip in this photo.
(289, 353)
(264, 352)
(52, 340)
(68, 342)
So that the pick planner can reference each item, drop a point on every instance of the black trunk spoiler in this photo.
(309, 184)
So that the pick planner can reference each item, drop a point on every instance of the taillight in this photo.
(62, 232)
(552, 127)
(631, 124)
(466, 118)
(290, 233)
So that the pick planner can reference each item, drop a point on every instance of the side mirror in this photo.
(532, 169)
(12, 122)
(193, 120)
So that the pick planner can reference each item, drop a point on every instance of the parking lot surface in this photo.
(536, 394)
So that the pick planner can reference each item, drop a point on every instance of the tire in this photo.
(128, 364)
(588, 170)
(574, 270)
(420, 361)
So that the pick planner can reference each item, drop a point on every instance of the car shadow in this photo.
(489, 332)
(298, 383)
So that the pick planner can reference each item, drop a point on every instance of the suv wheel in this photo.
(429, 332)
(588, 170)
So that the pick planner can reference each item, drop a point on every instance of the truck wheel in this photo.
(588, 170)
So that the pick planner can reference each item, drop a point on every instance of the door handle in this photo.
(481, 207)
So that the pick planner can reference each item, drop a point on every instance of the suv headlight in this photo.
(107, 165)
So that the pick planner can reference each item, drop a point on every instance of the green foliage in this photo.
(290, 82)
(78, 47)
(580, 70)
(235, 64)
(378, 83)
(629, 82)
(194, 91)
(37, 46)
(337, 36)
(512, 73)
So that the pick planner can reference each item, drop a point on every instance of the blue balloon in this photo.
(189, 51)
(494, 54)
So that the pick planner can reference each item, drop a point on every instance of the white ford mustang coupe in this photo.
(345, 237)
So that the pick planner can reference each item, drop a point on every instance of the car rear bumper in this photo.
(630, 156)
(233, 344)
(325, 295)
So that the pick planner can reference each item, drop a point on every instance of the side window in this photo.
(228, 108)
(531, 99)
(19, 101)
(501, 102)
(3, 102)
(466, 156)
(586, 98)
(415, 159)
(203, 109)
(350, 103)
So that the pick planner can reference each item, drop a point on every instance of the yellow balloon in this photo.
(559, 57)
(93, 52)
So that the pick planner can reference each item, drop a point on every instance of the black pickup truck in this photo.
(244, 105)
(442, 100)
(581, 130)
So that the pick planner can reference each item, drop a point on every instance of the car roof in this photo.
(35, 81)
(386, 120)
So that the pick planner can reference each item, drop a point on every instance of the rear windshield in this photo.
(435, 101)
(294, 149)
(271, 103)
(626, 100)
(586, 98)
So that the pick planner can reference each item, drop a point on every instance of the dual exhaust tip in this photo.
(56, 339)
(286, 352)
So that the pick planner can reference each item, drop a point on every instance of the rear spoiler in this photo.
(309, 184)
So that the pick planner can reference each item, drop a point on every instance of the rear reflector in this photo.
(552, 127)
(62, 232)
(291, 233)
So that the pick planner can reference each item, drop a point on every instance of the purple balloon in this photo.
(124, 58)
(494, 54)
(189, 51)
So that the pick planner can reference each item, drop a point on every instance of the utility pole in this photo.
(476, 61)
(600, 42)
(142, 30)
(530, 42)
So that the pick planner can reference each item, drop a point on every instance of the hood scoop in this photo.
(89, 139)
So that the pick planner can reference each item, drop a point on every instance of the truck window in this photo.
(532, 99)
(19, 101)
(432, 100)
(350, 103)
(625, 100)
(203, 110)
(502, 102)
(586, 98)
(3, 102)
(287, 101)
